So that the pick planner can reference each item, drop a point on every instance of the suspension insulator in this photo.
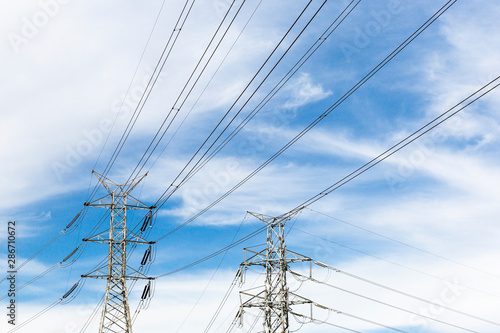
(147, 291)
(71, 254)
(147, 221)
(71, 290)
(73, 220)
(147, 256)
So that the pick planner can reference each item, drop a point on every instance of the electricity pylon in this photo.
(116, 316)
(275, 301)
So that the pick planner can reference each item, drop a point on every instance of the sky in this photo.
(423, 221)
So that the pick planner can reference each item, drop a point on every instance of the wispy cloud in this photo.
(303, 90)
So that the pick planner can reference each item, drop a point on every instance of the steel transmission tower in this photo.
(116, 317)
(275, 301)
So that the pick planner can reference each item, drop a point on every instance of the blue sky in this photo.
(66, 77)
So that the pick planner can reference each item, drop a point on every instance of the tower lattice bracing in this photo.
(275, 301)
(116, 317)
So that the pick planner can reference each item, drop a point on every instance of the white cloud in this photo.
(303, 90)
(268, 192)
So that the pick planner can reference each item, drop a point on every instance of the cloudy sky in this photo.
(423, 221)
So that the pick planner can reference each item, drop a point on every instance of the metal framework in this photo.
(276, 299)
(116, 317)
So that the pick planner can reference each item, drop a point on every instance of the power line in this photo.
(212, 277)
(442, 306)
(384, 62)
(403, 143)
(18, 327)
(322, 39)
(64, 231)
(395, 263)
(208, 83)
(179, 107)
(354, 317)
(316, 321)
(203, 160)
(161, 201)
(223, 301)
(84, 210)
(403, 243)
(130, 85)
(318, 42)
(70, 227)
(63, 263)
(92, 315)
(65, 299)
(186, 10)
(444, 8)
(380, 302)
(214, 254)
(231, 315)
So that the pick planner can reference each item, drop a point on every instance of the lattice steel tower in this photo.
(116, 316)
(276, 299)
